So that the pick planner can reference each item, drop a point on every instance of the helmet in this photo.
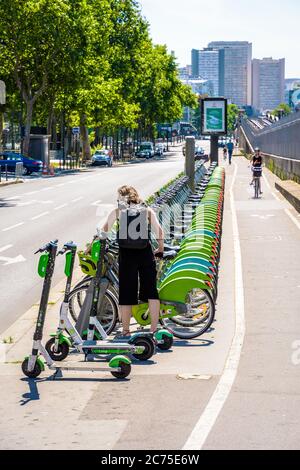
(257, 149)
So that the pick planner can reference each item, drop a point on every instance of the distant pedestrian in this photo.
(225, 153)
(230, 147)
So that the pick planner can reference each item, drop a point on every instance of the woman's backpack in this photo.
(133, 227)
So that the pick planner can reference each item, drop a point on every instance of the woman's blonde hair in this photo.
(130, 194)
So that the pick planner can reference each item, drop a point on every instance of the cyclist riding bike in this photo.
(256, 167)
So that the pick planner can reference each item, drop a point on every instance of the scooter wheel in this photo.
(33, 374)
(149, 348)
(167, 343)
(124, 372)
(60, 354)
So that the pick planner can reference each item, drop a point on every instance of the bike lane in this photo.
(262, 409)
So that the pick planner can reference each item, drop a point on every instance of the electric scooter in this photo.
(34, 365)
(58, 347)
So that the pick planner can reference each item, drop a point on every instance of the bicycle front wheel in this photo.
(107, 315)
(198, 318)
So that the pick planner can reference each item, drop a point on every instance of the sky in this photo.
(273, 26)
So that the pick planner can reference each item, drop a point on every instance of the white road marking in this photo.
(4, 248)
(39, 215)
(29, 194)
(12, 198)
(221, 393)
(77, 199)
(60, 207)
(59, 185)
(48, 188)
(16, 259)
(12, 227)
(96, 203)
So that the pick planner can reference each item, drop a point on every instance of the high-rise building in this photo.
(234, 70)
(185, 72)
(195, 63)
(267, 83)
(205, 66)
(209, 68)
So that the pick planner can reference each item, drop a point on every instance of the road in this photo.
(236, 387)
(68, 208)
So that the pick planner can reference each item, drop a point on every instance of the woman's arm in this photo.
(111, 219)
(157, 228)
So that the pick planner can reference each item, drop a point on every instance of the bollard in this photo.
(6, 178)
(190, 160)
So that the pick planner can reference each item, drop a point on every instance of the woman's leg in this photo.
(126, 311)
(154, 308)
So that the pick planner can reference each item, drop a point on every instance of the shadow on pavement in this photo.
(5, 203)
(197, 343)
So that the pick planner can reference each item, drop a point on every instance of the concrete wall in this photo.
(280, 144)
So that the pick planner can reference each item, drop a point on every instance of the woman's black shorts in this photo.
(137, 276)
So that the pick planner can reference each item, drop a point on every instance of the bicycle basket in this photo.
(88, 266)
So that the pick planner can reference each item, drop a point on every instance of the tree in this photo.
(41, 43)
(232, 116)
(282, 109)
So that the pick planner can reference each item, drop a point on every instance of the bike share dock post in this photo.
(214, 149)
(190, 161)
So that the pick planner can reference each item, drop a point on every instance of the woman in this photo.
(137, 265)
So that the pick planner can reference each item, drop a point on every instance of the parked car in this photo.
(10, 159)
(146, 150)
(200, 153)
(159, 150)
(102, 158)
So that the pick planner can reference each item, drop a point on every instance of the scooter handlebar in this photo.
(46, 247)
(67, 247)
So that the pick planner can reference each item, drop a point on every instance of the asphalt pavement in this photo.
(66, 207)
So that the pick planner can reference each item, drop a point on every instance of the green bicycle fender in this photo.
(194, 273)
(188, 262)
(188, 266)
(177, 290)
(115, 361)
(187, 250)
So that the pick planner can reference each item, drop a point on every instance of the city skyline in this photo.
(181, 29)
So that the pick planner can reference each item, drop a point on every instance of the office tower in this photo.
(209, 68)
(267, 83)
(195, 63)
(234, 70)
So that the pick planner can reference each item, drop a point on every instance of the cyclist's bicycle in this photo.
(257, 174)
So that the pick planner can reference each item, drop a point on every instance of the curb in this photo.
(8, 183)
(291, 191)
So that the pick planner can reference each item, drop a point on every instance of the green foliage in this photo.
(283, 108)
(232, 115)
(91, 61)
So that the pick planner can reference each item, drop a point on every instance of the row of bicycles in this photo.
(187, 282)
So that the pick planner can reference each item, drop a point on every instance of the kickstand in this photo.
(57, 374)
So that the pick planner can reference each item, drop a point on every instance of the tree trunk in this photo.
(1, 125)
(54, 132)
(29, 111)
(86, 148)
